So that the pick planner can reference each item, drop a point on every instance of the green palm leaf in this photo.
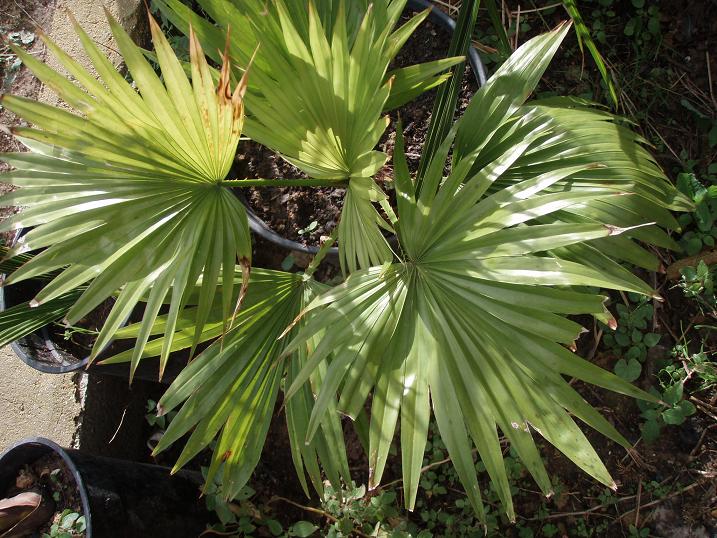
(125, 194)
(229, 391)
(472, 316)
(334, 57)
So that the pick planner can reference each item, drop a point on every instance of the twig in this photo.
(450, 7)
(709, 78)
(639, 496)
(435, 464)
(218, 533)
(560, 515)
(37, 24)
(423, 470)
(707, 409)
(670, 496)
(517, 28)
(674, 154)
(537, 9)
(669, 329)
(693, 452)
(119, 426)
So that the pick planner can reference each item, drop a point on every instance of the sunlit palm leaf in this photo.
(126, 193)
(229, 391)
(334, 58)
(472, 317)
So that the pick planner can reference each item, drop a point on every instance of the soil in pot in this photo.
(50, 477)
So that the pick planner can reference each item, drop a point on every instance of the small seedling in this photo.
(310, 228)
(700, 225)
(698, 283)
(630, 340)
(162, 422)
(70, 525)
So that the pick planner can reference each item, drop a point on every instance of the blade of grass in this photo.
(584, 37)
(447, 97)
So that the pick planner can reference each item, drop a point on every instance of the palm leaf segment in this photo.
(320, 83)
(229, 390)
(126, 193)
(471, 320)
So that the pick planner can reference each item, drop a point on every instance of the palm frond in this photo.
(334, 56)
(125, 193)
(229, 391)
(472, 318)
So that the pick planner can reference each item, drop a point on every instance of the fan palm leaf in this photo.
(229, 390)
(334, 58)
(471, 320)
(125, 193)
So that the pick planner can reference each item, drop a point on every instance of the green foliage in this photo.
(178, 41)
(700, 227)
(631, 339)
(70, 525)
(10, 63)
(444, 105)
(673, 410)
(641, 23)
(585, 38)
(153, 419)
(708, 125)
(353, 510)
(697, 283)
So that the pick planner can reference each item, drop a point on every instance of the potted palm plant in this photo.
(36, 342)
(518, 210)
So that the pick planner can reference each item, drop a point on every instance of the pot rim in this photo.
(44, 338)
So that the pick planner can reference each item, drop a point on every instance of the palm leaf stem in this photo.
(246, 183)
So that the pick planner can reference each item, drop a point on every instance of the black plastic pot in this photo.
(35, 349)
(121, 499)
(438, 17)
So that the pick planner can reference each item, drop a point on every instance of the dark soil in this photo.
(50, 476)
(290, 212)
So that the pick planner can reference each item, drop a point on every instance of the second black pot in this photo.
(121, 499)
(40, 352)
